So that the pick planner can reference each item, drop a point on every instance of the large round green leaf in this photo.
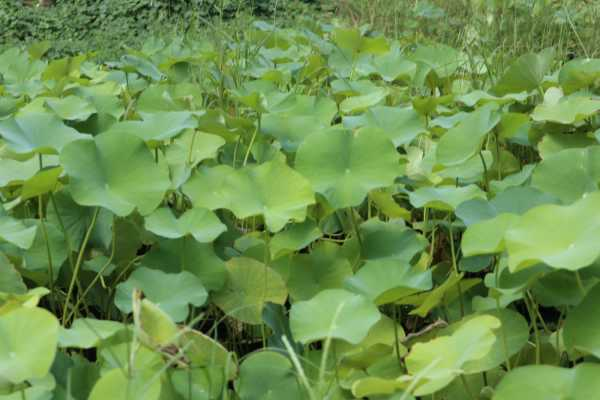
(559, 236)
(201, 223)
(445, 198)
(115, 171)
(28, 344)
(86, 333)
(250, 284)
(388, 280)
(526, 73)
(268, 375)
(345, 166)
(437, 362)
(568, 110)
(547, 382)
(157, 126)
(37, 132)
(335, 314)
(400, 125)
(569, 173)
(324, 268)
(172, 293)
(297, 118)
(118, 384)
(187, 254)
(464, 140)
(272, 189)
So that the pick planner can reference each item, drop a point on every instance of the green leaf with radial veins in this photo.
(546, 382)
(268, 375)
(249, 286)
(400, 125)
(172, 293)
(186, 254)
(569, 110)
(438, 361)
(21, 233)
(390, 239)
(569, 173)
(117, 172)
(295, 119)
(464, 140)
(335, 314)
(71, 108)
(37, 132)
(201, 223)
(344, 166)
(487, 236)
(578, 74)
(116, 384)
(387, 280)
(28, 345)
(562, 237)
(272, 189)
(324, 267)
(14, 172)
(526, 73)
(87, 333)
(445, 198)
(157, 126)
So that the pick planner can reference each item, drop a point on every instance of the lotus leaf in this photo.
(345, 166)
(115, 171)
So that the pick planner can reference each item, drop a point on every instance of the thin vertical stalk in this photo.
(75, 271)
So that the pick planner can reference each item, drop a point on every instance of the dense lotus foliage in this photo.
(316, 213)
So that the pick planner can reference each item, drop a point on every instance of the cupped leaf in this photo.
(559, 236)
(446, 198)
(120, 385)
(298, 118)
(187, 254)
(568, 110)
(157, 126)
(21, 233)
(487, 237)
(250, 191)
(295, 237)
(28, 345)
(172, 293)
(37, 132)
(387, 280)
(437, 362)
(115, 171)
(324, 268)
(333, 314)
(345, 166)
(249, 286)
(569, 173)
(268, 375)
(464, 140)
(390, 239)
(578, 74)
(526, 73)
(543, 382)
(71, 108)
(87, 333)
(201, 223)
(400, 125)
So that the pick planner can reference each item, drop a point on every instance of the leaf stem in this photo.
(86, 238)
